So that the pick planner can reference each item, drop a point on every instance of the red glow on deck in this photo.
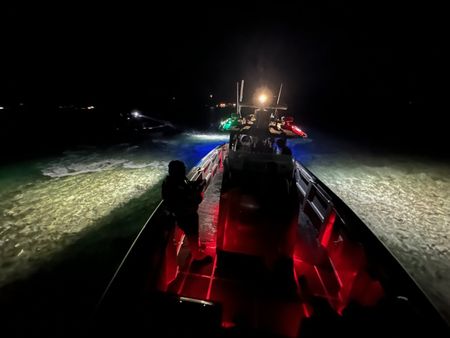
(328, 229)
(306, 311)
(228, 325)
(183, 282)
(211, 279)
(332, 266)
(170, 266)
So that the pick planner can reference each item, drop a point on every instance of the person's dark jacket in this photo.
(286, 151)
(181, 195)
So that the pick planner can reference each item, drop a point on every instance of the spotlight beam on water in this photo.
(49, 215)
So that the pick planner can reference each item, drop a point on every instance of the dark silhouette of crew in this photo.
(283, 149)
(182, 198)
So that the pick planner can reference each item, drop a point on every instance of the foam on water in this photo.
(61, 170)
(42, 218)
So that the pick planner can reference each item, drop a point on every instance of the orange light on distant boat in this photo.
(263, 97)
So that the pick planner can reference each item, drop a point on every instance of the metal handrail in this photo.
(126, 256)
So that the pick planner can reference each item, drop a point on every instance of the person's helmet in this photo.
(177, 168)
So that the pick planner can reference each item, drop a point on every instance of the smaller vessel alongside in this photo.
(138, 125)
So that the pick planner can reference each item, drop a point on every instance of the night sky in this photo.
(369, 72)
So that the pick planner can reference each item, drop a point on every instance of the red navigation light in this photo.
(298, 131)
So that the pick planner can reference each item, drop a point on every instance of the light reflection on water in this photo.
(49, 204)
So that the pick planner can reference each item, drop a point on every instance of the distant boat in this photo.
(290, 259)
(137, 124)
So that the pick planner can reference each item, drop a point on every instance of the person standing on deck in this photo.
(182, 198)
(283, 149)
(263, 118)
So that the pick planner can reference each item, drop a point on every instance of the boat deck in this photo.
(271, 297)
(302, 266)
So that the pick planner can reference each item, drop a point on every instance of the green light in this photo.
(230, 123)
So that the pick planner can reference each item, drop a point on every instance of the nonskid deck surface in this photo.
(251, 292)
